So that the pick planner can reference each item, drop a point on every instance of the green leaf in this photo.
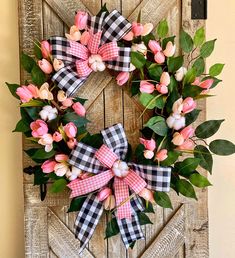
(137, 60)
(37, 50)
(39, 177)
(186, 42)
(206, 160)
(185, 188)
(171, 159)
(166, 40)
(148, 207)
(208, 128)
(216, 69)
(143, 218)
(58, 186)
(12, 88)
(155, 71)
(38, 77)
(199, 66)
(191, 91)
(174, 63)
(76, 119)
(190, 76)
(112, 228)
(135, 88)
(27, 62)
(33, 103)
(199, 37)
(147, 38)
(192, 116)
(147, 100)
(222, 147)
(32, 113)
(162, 199)
(185, 167)
(173, 84)
(80, 100)
(162, 29)
(95, 140)
(215, 83)
(22, 126)
(42, 154)
(103, 9)
(207, 48)
(199, 180)
(158, 125)
(76, 204)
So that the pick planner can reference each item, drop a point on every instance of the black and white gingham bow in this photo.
(83, 157)
(113, 26)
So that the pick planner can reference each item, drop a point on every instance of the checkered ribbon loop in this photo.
(101, 51)
(101, 163)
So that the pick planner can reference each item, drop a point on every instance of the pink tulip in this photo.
(187, 132)
(161, 88)
(57, 137)
(165, 78)
(81, 20)
(206, 84)
(45, 49)
(70, 129)
(122, 78)
(178, 139)
(187, 145)
(34, 90)
(48, 166)
(39, 128)
(67, 103)
(146, 87)
(104, 194)
(61, 169)
(137, 29)
(148, 144)
(148, 154)
(129, 36)
(196, 81)
(61, 157)
(45, 66)
(71, 143)
(154, 46)
(147, 195)
(161, 155)
(24, 93)
(85, 38)
(170, 49)
(79, 109)
(159, 57)
(188, 105)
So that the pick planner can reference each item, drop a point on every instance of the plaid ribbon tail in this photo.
(87, 220)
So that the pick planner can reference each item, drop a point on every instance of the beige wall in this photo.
(221, 196)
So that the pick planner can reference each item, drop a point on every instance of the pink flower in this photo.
(104, 194)
(61, 169)
(170, 49)
(39, 128)
(146, 194)
(137, 29)
(46, 140)
(161, 155)
(67, 103)
(154, 46)
(187, 132)
(187, 145)
(85, 38)
(48, 166)
(148, 154)
(81, 20)
(61, 157)
(165, 78)
(161, 88)
(70, 129)
(178, 139)
(45, 49)
(45, 66)
(122, 78)
(148, 144)
(57, 137)
(206, 84)
(79, 109)
(159, 57)
(148, 27)
(24, 93)
(85, 175)
(71, 143)
(188, 105)
(146, 87)
(34, 90)
(129, 36)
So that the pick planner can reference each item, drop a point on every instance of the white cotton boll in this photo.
(48, 113)
(43, 114)
(176, 121)
(123, 165)
(170, 121)
(120, 168)
(179, 123)
(76, 171)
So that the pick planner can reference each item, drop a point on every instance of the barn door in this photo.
(182, 232)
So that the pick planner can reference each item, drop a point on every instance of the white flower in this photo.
(74, 34)
(96, 63)
(73, 174)
(44, 92)
(178, 106)
(58, 64)
(61, 96)
(180, 73)
(176, 121)
(141, 48)
(61, 169)
(48, 113)
(120, 168)
(46, 140)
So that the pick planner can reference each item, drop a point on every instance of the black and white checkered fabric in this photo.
(157, 178)
(95, 23)
(87, 220)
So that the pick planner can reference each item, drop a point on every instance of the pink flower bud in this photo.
(61, 157)
(188, 105)
(161, 155)
(170, 49)
(165, 78)
(148, 144)
(148, 154)
(24, 93)
(85, 38)
(147, 195)
(79, 109)
(122, 78)
(45, 49)
(81, 20)
(154, 46)
(146, 87)
(187, 145)
(161, 88)
(70, 129)
(196, 81)
(159, 57)
(71, 143)
(137, 29)
(178, 139)
(45, 66)
(187, 132)
(39, 128)
(109, 203)
(48, 166)
(206, 84)
(129, 36)
(148, 27)
(57, 137)
(67, 103)
(104, 194)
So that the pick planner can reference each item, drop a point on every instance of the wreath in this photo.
(101, 170)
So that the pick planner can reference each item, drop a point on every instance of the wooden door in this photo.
(182, 232)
